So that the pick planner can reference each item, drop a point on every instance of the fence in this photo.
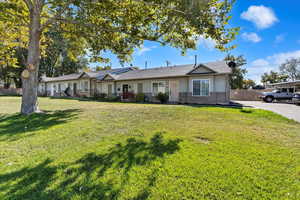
(246, 95)
(10, 91)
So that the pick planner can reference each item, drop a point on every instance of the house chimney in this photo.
(196, 61)
(168, 63)
(146, 64)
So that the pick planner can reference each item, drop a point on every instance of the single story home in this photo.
(206, 83)
(79, 84)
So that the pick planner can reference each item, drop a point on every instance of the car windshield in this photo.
(275, 91)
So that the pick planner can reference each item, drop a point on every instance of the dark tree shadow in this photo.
(11, 126)
(85, 177)
(247, 111)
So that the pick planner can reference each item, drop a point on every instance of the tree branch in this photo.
(115, 30)
(58, 14)
(154, 4)
(29, 4)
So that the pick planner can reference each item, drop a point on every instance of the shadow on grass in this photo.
(94, 176)
(247, 111)
(12, 126)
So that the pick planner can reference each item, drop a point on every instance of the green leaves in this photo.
(237, 78)
(120, 26)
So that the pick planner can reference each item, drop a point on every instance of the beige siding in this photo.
(134, 84)
(220, 84)
(219, 87)
(104, 87)
(64, 85)
(183, 84)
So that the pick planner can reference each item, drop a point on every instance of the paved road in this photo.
(290, 111)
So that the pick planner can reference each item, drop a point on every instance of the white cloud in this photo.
(257, 68)
(280, 58)
(144, 49)
(253, 37)
(261, 16)
(279, 38)
(207, 42)
(262, 65)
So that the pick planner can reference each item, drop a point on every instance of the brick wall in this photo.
(213, 98)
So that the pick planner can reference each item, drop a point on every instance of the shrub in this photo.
(102, 95)
(140, 97)
(114, 99)
(162, 97)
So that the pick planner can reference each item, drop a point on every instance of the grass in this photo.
(95, 150)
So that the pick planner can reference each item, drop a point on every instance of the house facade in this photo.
(75, 85)
(206, 83)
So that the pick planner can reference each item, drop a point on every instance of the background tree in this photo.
(5, 75)
(10, 72)
(117, 26)
(291, 68)
(99, 68)
(62, 55)
(273, 77)
(238, 74)
(248, 83)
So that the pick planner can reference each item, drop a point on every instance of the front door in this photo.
(74, 89)
(174, 91)
(125, 91)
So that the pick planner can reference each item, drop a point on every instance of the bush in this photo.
(140, 97)
(102, 95)
(114, 99)
(162, 97)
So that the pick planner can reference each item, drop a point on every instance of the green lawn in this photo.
(94, 150)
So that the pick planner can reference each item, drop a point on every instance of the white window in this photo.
(157, 87)
(201, 87)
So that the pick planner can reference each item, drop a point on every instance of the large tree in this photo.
(238, 74)
(273, 77)
(291, 68)
(118, 26)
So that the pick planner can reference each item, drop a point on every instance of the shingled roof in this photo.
(219, 67)
(98, 75)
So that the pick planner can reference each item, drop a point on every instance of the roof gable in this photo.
(108, 77)
(202, 69)
(84, 75)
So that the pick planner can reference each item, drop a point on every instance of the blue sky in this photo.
(270, 34)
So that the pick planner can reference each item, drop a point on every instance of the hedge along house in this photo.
(79, 84)
(202, 84)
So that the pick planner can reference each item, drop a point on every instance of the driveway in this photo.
(290, 111)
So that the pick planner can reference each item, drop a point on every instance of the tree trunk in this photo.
(30, 84)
